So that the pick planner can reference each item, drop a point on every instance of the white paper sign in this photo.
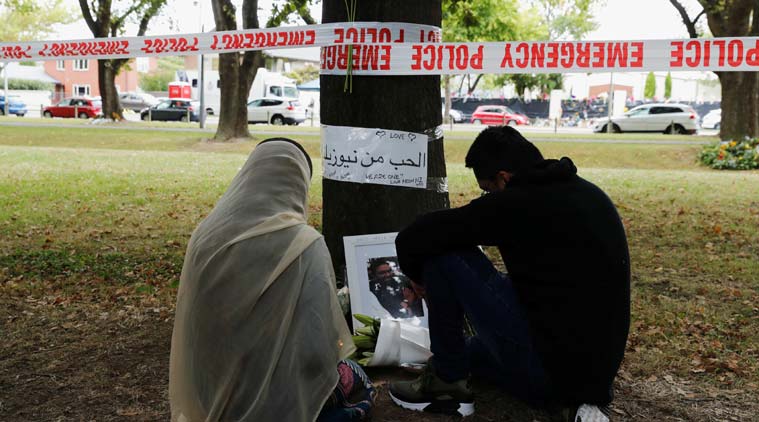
(378, 156)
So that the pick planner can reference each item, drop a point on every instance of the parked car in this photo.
(81, 107)
(495, 115)
(172, 110)
(277, 111)
(456, 115)
(15, 105)
(136, 101)
(664, 118)
(712, 120)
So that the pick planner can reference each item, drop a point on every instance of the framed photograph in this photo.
(376, 284)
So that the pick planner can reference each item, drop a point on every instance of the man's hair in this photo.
(501, 148)
(376, 263)
(300, 147)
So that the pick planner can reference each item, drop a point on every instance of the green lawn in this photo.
(119, 206)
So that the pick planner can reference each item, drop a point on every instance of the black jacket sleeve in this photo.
(447, 230)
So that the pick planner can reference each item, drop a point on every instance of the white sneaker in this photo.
(591, 413)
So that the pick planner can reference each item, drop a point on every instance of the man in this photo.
(553, 330)
(386, 287)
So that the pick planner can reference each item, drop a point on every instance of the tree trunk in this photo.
(740, 116)
(236, 71)
(740, 99)
(408, 103)
(107, 71)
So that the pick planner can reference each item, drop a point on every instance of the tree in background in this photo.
(740, 90)
(237, 70)
(649, 91)
(487, 20)
(29, 20)
(305, 74)
(108, 20)
(668, 86)
(504, 20)
(158, 80)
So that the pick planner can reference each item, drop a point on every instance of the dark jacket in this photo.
(565, 249)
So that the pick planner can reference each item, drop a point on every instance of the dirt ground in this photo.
(104, 357)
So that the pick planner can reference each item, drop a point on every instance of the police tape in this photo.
(221, 42)
(716, 54)
(414, 49)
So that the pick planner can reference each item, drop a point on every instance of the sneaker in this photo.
(591, 413)
(429, 393)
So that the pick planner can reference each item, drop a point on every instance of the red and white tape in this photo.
(717, 54)
(413, 49)
(220, 42)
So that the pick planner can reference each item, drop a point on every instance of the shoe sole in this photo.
(447, 407)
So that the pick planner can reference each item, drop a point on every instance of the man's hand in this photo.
(418, 289)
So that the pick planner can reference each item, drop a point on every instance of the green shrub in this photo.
(29, 85)
(732, 155)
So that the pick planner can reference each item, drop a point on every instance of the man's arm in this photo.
(478, 223)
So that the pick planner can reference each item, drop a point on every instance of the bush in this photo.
(732, 155)
(29, 85)
(156, 81)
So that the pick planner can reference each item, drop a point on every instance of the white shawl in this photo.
(258, 331)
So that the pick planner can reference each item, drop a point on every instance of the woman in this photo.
(258, 333)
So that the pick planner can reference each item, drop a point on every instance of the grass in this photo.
(79, 208)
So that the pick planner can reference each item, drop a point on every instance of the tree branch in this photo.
(224, 15)
(250, 14)
(689, 25)
(87, 14)
(118, 21)
(150, 13)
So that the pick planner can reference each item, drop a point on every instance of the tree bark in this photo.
(236, 72)
(740, 116)
(408, 103)
(108, 69)
(740, 99)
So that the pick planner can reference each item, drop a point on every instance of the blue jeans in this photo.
(467, 283)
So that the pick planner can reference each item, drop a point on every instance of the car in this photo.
(664, 118)
(277, 111)
(456, 115)
(136, 101)
(712, 119)
(172, 109)
(81, 107)
(15, 105)
(496, 115)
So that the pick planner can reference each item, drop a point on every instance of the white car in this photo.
(277, 111)
(456, 115)
(664, 118)
(713, 119)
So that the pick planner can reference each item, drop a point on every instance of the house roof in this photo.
(29, 73)
(307, 54)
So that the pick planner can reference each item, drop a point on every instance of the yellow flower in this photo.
(733, 143)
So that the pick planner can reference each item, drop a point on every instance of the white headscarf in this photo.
(258, 331)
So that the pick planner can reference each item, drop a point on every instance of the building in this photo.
(79, 77)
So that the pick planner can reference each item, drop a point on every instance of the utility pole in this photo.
(5, 89)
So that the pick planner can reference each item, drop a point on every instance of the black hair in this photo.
(375, 263)
(500, 148)
(300, 147)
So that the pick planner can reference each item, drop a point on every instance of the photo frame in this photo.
(377, 286)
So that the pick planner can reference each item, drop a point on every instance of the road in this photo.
(533, 133)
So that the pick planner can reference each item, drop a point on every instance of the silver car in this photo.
(663, 118)
(136, 101)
